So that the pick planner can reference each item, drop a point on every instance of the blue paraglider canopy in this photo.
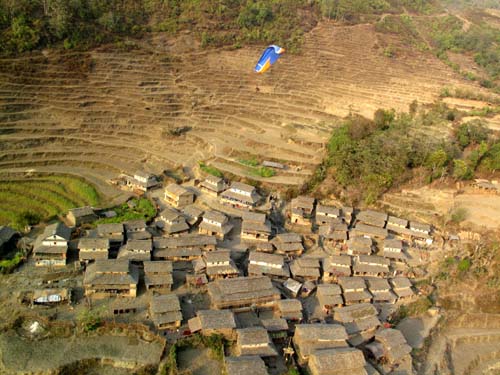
(268, 58)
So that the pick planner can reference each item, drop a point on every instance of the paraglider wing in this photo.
(268, 58)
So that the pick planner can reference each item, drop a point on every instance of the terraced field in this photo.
(48, 196)
(100, 113)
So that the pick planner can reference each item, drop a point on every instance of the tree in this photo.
(23, 37)
(461, 170)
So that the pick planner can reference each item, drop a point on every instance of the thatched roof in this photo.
(245, 365)
(255, 341)
(339, 361)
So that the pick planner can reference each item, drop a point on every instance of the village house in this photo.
(402, 287)
(329, 296)
(245, 365)
(277, 328)
(81, 215)
(360, 321)
(243, 292)
(395, 223)
(255, 227)
(364, 230)
(196, 281)
(184, 248)
(158, 275)
(178, 196)
(302, 209)
(171, 222)
(113, 232)
(143, 181)
(93, 248)
(393, 250)
(336, 266)
(339, 361)
(51, 247)
(380, 290)
(254, 341)
(289, 244)
(289, 309)
(326, 214)
(420, 228)
(240, 195)
(372, 218)
(291, 288)
(391, 351)
(136, 230)
(311, 338)
(213, 185)
(371, 265)
(165, 311)
(304, 269)
(121, 306)
(354, 290)
(359, 246)
(272, 265)
(51, 296)
(347, 214)
(193, 215)
(216, 224)
(333, 235)
(136, 250)
(209, 322)
(111, 277)
(219, 265)
(264, 247)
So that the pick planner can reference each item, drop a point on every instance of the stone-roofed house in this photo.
(178, 196)
(302, 209)
(381, 290)
(289, 309)
(158, 275)
(216, 224)
(240, 195)
(93, 248)
(81, 215)
(289, 244)
(254, 341)
(245, 365)
(255, 227)
(371, 265)
(212, 185)
(111, 277)
(264, 247)
(339, 361)
(310, 338)
(209, 322)
(272, 265)
(220, 265)
(165, 311)
(372, 218)
(366, 230)
(136, 230)
(420, 228)
(327, 214)
(304, 269)
(51, 247)
(113, 232)
(136, 250)
(242, 292)
(360, 321)
(393, 250)
(291, 288)
(334, 234)
(329, 296)
(359, 246)
(347, 214)
(395, 223)
(402, 287)
(143, 181)
(391, 351)
(171, 222)
(354, 290)
(193, 214)
(336, 266)
(184, 248)
(277, 328)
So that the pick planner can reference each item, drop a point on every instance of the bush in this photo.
(461, 171)
(458, 215)
(464, 265)
(210, 170)
(89, 320)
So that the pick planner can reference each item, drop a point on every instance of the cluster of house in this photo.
(363, 264)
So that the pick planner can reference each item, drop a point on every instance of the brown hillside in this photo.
(108, 111)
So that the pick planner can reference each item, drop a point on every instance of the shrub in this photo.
(210, 170)
(464, 265)
(458, 215)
